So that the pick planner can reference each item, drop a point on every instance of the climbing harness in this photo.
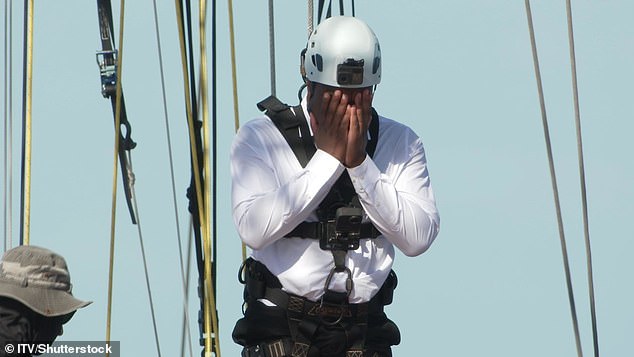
(312, 323)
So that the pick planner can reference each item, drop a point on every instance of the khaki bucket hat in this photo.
(39, 279)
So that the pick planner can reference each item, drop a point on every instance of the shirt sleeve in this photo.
(267, 206)
(402, 205)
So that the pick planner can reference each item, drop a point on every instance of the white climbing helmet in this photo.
(343, 51)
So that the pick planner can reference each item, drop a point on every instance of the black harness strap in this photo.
(293, 127)
(107, 60)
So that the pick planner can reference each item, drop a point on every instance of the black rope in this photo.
(320, 10)
(197, 142)
(191, 193)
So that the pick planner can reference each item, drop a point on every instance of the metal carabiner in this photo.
(349, 286)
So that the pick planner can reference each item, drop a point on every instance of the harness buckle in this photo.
(107, 61)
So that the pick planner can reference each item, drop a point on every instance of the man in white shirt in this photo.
(322, 192)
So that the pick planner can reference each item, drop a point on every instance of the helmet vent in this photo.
(376, 64)
(318, 61)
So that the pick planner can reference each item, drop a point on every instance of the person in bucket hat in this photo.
(35, 295)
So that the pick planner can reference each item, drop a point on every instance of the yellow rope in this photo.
(28, 119)
(211, 318)
(235, 87)
(198, 185)
(114, 172)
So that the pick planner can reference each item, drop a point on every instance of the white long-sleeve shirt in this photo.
(272, 194)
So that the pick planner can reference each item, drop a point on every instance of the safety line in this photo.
(198, 141)
(8, 126)
(143, 255)
(27, 122)
(209, 248)
(194, 155)
(113, 210)
(234, 77)
(214, 134)
(320, 10)
(272, 46)
(553, 178)
(311, 11)
(186, 331)
(234, 81)
(582, 178)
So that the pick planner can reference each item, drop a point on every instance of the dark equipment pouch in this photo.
(386, 294)
(256, 278)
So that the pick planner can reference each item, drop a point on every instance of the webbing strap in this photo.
(293, 126)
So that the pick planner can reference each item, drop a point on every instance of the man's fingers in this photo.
(353, 113)
(333, 104)
(314, 123)
(367, 99)
(324, 103)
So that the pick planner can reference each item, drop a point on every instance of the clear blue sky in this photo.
(459, 72)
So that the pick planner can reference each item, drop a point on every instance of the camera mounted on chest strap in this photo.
(344, 232)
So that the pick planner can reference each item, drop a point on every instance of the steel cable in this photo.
(582, 178)
(553, 177)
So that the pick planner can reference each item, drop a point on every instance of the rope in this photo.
(197, 145)
(186, 288)
(553, 177)
(320, 10)
(311, 11)
(214, 133)
(186, 331)
(234, 81)
(272, 45)
(147, 274)
(582, 177)
(113, 210)
(26, 122)
(194, 155)
(211, 317)
(8, 125)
